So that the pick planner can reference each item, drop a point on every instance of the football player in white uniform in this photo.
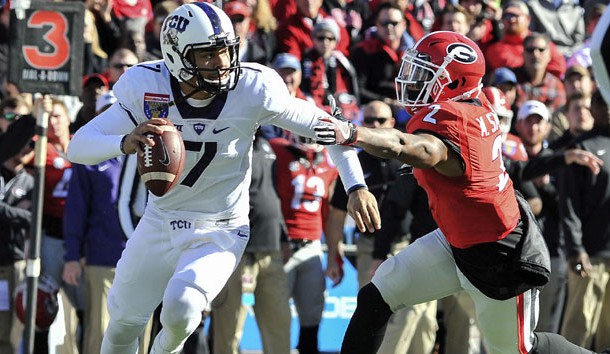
(189, 241)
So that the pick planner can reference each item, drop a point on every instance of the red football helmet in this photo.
(47, 305)
(500, 105)
(442, 66)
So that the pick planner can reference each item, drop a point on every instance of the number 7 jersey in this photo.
(480, 205)
(217, 134)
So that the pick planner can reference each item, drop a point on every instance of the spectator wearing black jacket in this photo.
(533, 125)
(584, 208)
(16, 187)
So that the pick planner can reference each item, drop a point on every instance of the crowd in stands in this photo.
(326, 51)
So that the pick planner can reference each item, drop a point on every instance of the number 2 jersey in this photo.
(480, 205)
(217, 133)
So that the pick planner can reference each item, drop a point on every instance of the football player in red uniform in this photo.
(487, 242)
(512, 147)
(305, 178)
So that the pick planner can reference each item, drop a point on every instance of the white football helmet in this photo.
(195, 26)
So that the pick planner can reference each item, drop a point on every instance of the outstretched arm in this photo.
(420, 151)
(417, 150)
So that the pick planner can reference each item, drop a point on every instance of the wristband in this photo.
(356, 187)
(121, 146)
(353, 134)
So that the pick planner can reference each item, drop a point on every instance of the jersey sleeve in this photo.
(100, 138)
(300, 117)
(129, 98)
(440, 121)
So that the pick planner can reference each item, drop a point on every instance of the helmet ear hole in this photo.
(453, 85)
(170, 58)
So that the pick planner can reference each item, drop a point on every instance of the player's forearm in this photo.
(348, 165)
(390, 143)
(100, 139)
(334, 230)
(90, 147)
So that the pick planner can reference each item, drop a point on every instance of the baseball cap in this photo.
(503, 75)
(104, 100)
(286, 60)
(532, 107)
(233, 8)
(95, 77)
(329, 25)
(577, 69)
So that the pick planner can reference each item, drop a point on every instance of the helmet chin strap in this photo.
(469, 94)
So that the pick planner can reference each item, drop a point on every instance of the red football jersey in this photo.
(303, 184)
(56, 180)
(480, 205)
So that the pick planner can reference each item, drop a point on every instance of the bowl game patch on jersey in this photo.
(156, 105)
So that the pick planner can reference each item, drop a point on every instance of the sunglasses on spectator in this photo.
(386, 23)
(11, 116)
(533, 49)
(323, 38)
(237, 19)
(509, 15)
(121, 65)
(372, 120)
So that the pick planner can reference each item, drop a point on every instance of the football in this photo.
(161, 165)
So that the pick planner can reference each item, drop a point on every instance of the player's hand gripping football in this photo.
(362, 207)
(336, 129)
(135, 141)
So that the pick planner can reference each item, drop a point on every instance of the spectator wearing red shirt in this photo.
(377, 59)
(485, 27)
(508, 51)
(327, 71)
(283, 9)
(294, 35)
(419, 15)
(535, 80)
(133, 14)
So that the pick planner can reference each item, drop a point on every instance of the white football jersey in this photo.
(218, 137)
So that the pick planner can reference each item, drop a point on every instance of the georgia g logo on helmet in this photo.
(462, 53)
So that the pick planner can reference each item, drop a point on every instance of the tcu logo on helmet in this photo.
(179, 23)
(462, 53)
(173, 25)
